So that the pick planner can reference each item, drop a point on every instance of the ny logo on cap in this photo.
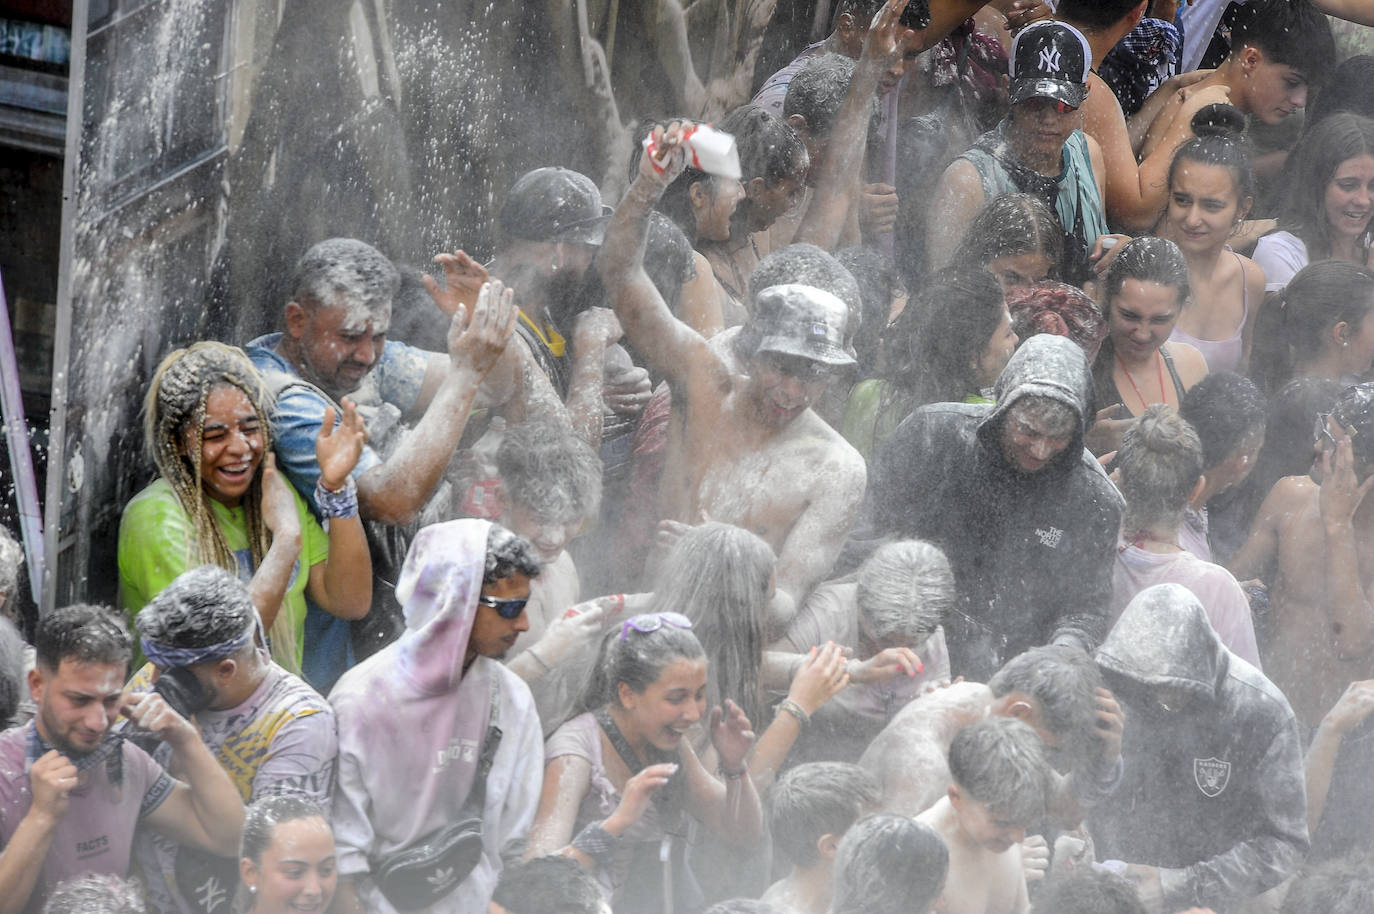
(1049, 60)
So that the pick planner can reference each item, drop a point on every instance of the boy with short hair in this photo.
(999, 788)
(812, 807)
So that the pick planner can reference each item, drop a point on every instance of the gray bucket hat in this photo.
(802, 321)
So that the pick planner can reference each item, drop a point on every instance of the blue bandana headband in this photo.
(168, 657)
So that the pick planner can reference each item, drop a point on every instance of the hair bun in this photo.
(1219, 119)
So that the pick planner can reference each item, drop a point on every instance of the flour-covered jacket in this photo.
(1032, 553)
(411, 723)
(1212, 792)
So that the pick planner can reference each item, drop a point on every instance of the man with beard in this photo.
(72, 790)
(334, 345)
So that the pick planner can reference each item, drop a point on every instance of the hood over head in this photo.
(1047, 366)
(438, 590)
(1163, 640)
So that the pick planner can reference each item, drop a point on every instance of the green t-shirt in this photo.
(866, 425)
(156, 544)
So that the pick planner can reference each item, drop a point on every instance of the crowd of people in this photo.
(961, 510)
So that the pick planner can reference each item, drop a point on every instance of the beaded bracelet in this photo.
(791, 707)
(342, 504)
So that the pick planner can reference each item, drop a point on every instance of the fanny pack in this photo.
(428, 870)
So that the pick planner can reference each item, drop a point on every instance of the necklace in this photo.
(1159, 364)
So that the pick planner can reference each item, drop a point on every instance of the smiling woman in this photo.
(219, 500)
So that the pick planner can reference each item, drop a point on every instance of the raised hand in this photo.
(477, 342)
(148, 711)
(664, 158)
(1035, 858)
(278, 504)
(568, 632)
(887, 38)
(888, 664)
(820, 678)
(628, 392)
(1109, 725)
(463, 281)
(337, 449)
(1353, 707)
(731, 734)
(1341, 490)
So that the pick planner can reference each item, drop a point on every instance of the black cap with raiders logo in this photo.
(1050, 60)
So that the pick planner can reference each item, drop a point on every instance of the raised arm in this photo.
(1350, 614)
(1255, 559)
(1360, 12)
(1353, 708)
(394, 491)
(1135, 194)
(958, 198)
(206, 810)
(671, 347)
(888, 40)
(342, 583)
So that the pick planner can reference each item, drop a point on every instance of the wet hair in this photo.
(668, 259)
(546, 468)
(82, 633)
(808, 265)
(818, 92)
(768, 146)
(816, 799)
(264, 814)
(1000, 762)
(718, 576)
(344, 271)
(1290, 32)
(174, 431)
(1063, 680)
(930, 352)
(508, 554)
(889, 864)
(905, 590)
(1160, 462)
(1220, 141)
(11, 564)
(1148, 259)
(1225, 409)
(1087, 891)
(1341, 886)
(879, 282)
(1010, 225)
(1309, 170)
(1060, 309)
(1354, 410)
(637, 659)
(676, 200)
(201, 607)
(1287, 448)
(1294, 325)
(96, 893)
(548, 885)
(1056, 416)
(13, 686)
(1094, 15)
(1351, 88)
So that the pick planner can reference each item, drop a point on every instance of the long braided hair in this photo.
(174, 428)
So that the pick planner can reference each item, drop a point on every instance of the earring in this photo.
(252, 890)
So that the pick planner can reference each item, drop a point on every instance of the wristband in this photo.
(733, 774)
(341, 504)
(539, 660)
(791, 707)
(597, 843)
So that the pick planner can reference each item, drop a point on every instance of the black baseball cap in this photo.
(1050, 60)
(800, 320)
(554, 204)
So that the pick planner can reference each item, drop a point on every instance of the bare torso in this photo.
(979, 881)
(1299, 650)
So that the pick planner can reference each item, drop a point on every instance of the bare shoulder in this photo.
(961, 175)
(1191, 365)
(1102, 112)
(828, 450)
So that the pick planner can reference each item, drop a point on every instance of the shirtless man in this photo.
(1278, 49)
(1321, 622)
(999, 784)
(751, 452)
(1056, 690)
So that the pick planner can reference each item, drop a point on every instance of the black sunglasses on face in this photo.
(506, 609)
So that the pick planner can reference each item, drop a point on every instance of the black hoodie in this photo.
(1211, 792)
(1032, 553)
